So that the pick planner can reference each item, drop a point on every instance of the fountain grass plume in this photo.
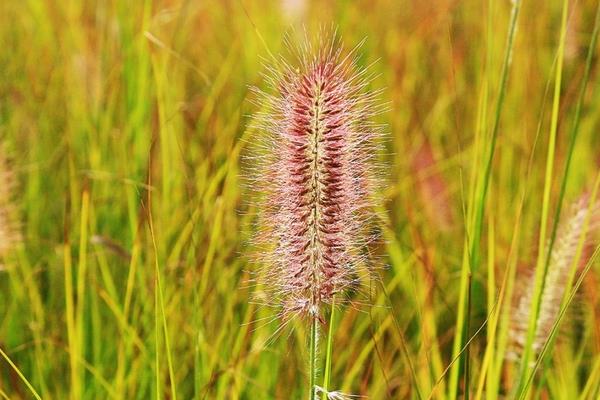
(316, 176)
(564, 255)
(10, 227)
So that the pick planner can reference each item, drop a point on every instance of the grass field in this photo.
(124, 126)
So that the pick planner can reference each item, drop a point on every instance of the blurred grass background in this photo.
(125, 123)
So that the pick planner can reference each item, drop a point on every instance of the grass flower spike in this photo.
(317, 176)
(564, 255)
(10, 233)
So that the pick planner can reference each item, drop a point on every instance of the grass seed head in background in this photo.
(565, 252)
(316, 176)
(10, 232)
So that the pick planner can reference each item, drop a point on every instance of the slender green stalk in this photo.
(156, 343)
(161, 302)
(313, 370)
(574, 129)
(70, 319)
(542, 263)
(328, 356)
(20, 374)
(572, 140)
(472, 254)
(81, 286)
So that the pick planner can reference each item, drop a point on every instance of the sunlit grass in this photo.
(126, 124)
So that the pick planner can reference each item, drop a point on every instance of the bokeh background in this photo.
(124, 124)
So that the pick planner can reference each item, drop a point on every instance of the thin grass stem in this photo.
(472, 256)
(542, 263)
(329, 353)
(20, 374)
(313, 370)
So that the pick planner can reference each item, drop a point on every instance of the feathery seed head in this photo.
(564, 253)
(317, 178)
(10, 233)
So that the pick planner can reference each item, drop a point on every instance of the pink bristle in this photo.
(316, 177)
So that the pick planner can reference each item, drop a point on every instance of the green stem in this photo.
(328, 356)
(314, 335)
(543, 260)
(19, 374)
(471, 256)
